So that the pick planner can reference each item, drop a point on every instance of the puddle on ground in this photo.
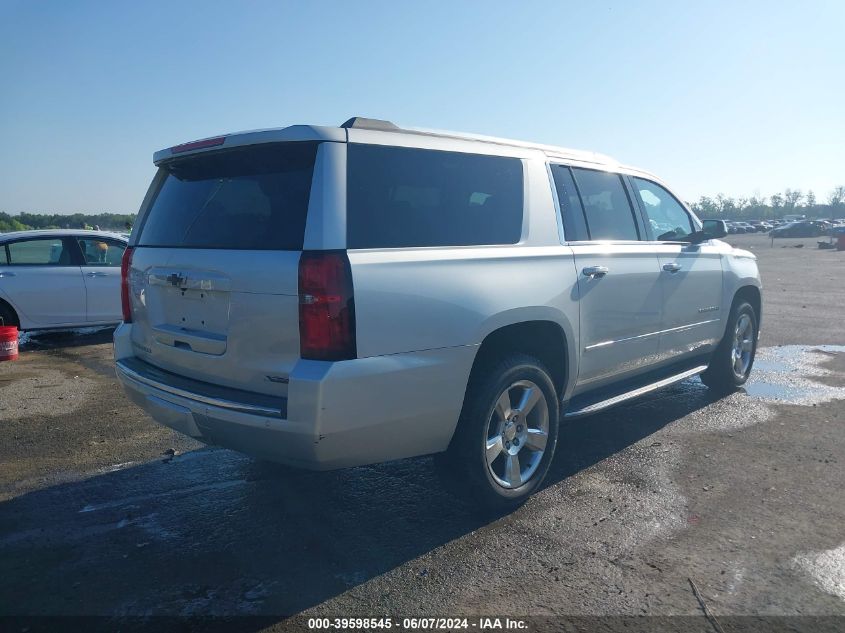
(786, 374)
(765, 364)
(827, 569)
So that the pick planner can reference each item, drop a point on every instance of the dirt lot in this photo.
(745, 495)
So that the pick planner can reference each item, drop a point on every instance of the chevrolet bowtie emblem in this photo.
(175, 279)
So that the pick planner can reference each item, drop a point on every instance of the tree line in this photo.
(790, 202)
(26, 221)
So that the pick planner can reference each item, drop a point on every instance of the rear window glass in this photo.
(39, 252)
(401, 197)
(254, 198)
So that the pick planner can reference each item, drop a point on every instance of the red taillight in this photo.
(326, 306)
(208, 142)
(125, 265)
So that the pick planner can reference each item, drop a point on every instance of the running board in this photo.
(634, 393)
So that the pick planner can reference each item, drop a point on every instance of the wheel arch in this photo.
(752, 295)
(546, 339)
(8, 306)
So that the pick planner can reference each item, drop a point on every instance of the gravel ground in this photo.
(745, 495)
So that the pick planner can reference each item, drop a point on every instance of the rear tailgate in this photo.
(214, 274)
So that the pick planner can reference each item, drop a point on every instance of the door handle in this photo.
(96, 274)
(7, 274)
(595, 271)
(671, 267)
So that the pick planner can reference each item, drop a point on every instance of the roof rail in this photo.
(370, 124)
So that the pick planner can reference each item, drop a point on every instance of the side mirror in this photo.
(713, 230)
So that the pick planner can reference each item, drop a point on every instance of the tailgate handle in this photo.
(190, 340)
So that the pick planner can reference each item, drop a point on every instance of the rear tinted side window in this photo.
(574, 224)
(403, 197)
(253, 198)
(606, 205)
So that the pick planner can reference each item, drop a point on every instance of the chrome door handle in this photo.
(671, 267)
(595, 271)
(96, 274)
(7, 274)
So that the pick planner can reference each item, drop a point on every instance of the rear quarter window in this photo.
(254, 198)
(403, 197)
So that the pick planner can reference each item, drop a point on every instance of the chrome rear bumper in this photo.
(205, 393)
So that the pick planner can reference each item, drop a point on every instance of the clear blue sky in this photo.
(716, 96)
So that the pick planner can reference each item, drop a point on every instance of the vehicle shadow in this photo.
(59, 339)
(583, 442)
(213, 533)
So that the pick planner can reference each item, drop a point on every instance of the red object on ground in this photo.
(840, 242)
(8, 342)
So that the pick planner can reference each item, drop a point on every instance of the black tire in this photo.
(465, 466)
(724, 374)
(7, 314)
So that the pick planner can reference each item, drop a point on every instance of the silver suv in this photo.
(328, 297)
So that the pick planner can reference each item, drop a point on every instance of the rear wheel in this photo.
(7, 314)
(506, 435)
(731, 363)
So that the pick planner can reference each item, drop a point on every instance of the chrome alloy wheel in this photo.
(517, 434)
(743, 346)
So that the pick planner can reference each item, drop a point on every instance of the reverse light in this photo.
(326, 306)
(125, 265)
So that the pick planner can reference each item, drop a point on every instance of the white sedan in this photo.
(60, 278)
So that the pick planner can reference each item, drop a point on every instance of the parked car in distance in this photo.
(53, 279)
(328, 297)
(802, 228)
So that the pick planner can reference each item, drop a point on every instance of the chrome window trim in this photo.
(611, 243)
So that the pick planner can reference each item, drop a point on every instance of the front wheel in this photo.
(731, 363)
(506, 434)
